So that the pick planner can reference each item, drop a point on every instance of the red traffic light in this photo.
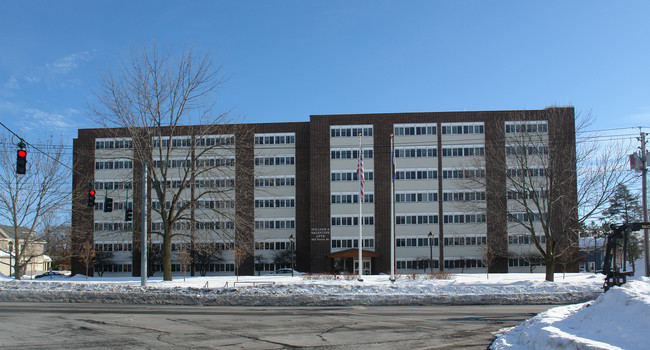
(21, 161)
(91, 197)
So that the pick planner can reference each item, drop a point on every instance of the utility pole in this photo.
(644, 190)
(143, 243)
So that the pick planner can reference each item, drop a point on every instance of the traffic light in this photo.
(21, 161)
(108, 205)
(91, 198)
(128, 215)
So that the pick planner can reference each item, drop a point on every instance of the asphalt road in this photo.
(125, 326)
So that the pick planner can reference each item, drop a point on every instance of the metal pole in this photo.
(143, 245)
(291, 239)
(644, 190)
(392, 209)
(430, 251)
(360, 173)
(441, 227)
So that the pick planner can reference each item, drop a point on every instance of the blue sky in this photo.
(289, 59)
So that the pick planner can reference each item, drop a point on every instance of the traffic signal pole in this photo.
(143, 246)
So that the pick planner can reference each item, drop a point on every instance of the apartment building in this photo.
(295, 187)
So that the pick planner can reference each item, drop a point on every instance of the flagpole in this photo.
(360, 174)
(392, 209)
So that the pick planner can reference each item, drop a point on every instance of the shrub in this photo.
(439, 275)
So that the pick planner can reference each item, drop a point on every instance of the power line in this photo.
(590, 136)
(43, 152)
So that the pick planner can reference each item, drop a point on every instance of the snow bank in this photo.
(466, 289)
(618, 319)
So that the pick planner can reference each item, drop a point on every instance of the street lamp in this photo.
(430, 251)
(291, 240)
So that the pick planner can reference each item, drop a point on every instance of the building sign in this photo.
(320, 234)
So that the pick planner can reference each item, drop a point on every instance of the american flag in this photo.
(362, 179)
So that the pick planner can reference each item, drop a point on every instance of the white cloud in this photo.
(33, 78)
(46, 120)
(9, 107)
(68, 63)
(51, 73)
(72, 111)
(71, 83)
(12, 83)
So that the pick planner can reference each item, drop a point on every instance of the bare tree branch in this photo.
(165, 104)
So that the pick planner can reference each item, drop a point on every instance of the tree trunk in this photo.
(550, 270)
(18, 269)
(167, 256)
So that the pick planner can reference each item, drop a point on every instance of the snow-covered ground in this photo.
(307, 290)
(616, 319)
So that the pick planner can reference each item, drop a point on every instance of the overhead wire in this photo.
(44, 153)
(591, 136)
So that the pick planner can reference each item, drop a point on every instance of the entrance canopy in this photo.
(353, 253)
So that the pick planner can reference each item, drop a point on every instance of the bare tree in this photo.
(87, 256)
(27, 201)
(203, 255)
(488, 258)
(165, 104)
(424, 263)
(490, 253)
(57, 243)
(531, 257)
(463, 264)
(185, 258)
(283, 257)
(240, 255)
(552, 188)
(154, 259)
(260, 260)
(102, 260)
(567, 257)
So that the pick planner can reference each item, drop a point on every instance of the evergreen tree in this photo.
(624, 207)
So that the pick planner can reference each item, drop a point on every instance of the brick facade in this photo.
(313, 186)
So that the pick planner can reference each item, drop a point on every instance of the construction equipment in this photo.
(616, 275)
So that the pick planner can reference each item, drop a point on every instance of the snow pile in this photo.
(464, 289)
(618, 319)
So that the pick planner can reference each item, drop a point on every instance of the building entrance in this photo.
(367, 266)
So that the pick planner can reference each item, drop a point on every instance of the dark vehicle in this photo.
(50, 274)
